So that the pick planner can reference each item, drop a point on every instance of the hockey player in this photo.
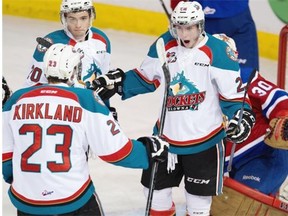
(77, 17)
(47, 131)
(205, 81)
(235, 20)
(260, 162)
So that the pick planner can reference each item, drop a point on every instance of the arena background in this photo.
(148, 17)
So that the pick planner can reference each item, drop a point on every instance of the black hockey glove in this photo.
(109, 84)
(6, 92)
(239, 132)
(157, 148)
(114, 112)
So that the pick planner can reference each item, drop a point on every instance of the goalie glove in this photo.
(277, 134)
(109, 84)
(157, 148)
(237, 131)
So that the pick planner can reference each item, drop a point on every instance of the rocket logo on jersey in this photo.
(183, 94)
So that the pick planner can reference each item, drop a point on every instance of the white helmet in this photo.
(62, 61)
(188, 13)
(68, 6)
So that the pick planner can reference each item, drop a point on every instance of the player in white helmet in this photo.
(62, 63)
(235, 20)
(47, 131)
(76, 17)
(205, 83)
(187, 23)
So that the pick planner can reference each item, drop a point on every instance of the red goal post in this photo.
(282, 57)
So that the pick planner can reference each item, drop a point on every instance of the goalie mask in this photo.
(62, 62)
(185, 14)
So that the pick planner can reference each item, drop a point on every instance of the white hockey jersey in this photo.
(96, 61)
(205, 84)
(47, 131)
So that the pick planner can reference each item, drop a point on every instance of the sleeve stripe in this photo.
(119, 155)
(7, 156)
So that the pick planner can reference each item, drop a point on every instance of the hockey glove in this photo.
(112, 80)
(277, 134)
(6, 92)
(237, 131)
(157, 148)
(114, 113)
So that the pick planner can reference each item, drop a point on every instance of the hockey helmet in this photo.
(62, 61)
(188, 13)
(68, 6)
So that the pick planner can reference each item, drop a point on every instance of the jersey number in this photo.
(35, 74)
(62, 148)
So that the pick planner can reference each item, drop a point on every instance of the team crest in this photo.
(183, 94)
(171, 56)
(231, 53)
(42, 48)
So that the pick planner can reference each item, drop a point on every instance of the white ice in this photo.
(119, 188)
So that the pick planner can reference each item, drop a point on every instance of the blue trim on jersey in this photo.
(230, 108)
(58, 36)
(55, 209)
(7, 171)
(219, 60)
(167, 37)
(136, 158)
(276, 96)
(98, 31)
(136, 85)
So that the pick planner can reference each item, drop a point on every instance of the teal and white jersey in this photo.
(47, 131)
(96, 61)
(205, 84)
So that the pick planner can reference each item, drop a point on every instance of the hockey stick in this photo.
(165, 9)
(160, 47)
(229, 167)
(43, 42)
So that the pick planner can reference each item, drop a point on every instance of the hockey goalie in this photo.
(257, 182)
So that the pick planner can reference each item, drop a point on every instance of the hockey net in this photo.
(238, 199)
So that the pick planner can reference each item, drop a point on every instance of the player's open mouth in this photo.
(186, 41)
